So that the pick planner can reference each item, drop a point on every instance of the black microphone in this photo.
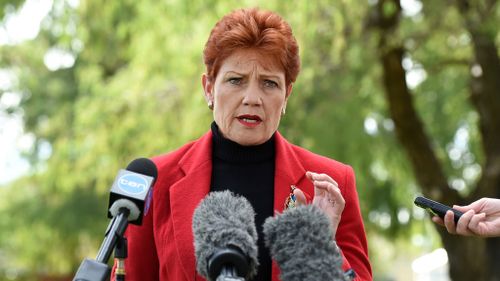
(130, 189)
(129, 197)
(225, 237)
(300, 241)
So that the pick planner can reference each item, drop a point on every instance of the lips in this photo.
(249, 120)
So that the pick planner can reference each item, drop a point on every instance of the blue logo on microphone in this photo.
(132, 184)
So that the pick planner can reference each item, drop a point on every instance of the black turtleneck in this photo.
(247, 171)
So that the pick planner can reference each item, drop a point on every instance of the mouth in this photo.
(248, 119)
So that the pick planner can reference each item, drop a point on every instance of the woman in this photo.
(252, 61)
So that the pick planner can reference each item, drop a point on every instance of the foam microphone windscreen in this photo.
(223, 220)
(300, 241)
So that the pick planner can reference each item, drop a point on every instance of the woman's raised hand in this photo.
(327, 197)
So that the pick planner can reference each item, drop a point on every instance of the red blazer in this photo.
(162, 248)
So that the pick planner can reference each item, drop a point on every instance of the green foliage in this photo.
(8, 7)
(135, 90)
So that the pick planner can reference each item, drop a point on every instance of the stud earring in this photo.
(211, 105)
(283, 111)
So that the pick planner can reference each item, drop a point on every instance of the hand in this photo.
(480, 218)
(327, 197)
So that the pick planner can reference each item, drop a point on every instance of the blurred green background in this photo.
(407, 92)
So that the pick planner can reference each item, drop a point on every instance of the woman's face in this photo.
(248, 95)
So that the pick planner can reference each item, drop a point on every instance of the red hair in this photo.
(257, 29)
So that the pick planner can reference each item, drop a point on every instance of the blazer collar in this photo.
(288, 171)
(186, 194)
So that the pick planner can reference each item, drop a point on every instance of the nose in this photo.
(252, 95)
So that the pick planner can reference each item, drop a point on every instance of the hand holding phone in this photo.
(436, 208)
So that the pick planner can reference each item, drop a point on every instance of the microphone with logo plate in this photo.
(225, 237)
(128, 202)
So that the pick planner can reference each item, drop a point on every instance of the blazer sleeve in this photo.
(142, 261)
(350, 236)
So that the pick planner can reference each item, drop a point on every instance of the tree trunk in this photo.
(470, 258)
(466, 256)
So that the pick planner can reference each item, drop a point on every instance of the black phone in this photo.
(436, 208)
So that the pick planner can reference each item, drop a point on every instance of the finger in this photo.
(338, 199)
(478, 205)
(300, 196)
(325, 184)
(482, 230)
(320, 182)
(328, 191)
(438, 220)
(330, 199)
(320, 177)
(462, 209)
(324, 188)
(449, 223)
(463, 223)
(311, 175)
(474, 222)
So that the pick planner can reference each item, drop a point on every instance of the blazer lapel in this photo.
(289, 171)
(186, 194)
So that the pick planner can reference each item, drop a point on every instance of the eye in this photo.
(234, 80)
(270, 84)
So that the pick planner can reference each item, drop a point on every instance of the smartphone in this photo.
(436, 208)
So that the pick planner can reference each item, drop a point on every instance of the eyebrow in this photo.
(263, 75)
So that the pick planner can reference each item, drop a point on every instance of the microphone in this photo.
(129, 197)
(130, 190)
(225, 237)
(300, 241)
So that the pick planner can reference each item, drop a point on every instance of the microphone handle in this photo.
(229, 273)
(116, 228)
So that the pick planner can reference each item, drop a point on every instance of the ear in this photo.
(207, 88)
(287, 94)
(288, 91)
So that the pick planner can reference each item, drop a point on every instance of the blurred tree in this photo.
(132, 88)
(466, 140)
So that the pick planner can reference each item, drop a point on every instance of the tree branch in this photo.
(409, 128)
(485, 95)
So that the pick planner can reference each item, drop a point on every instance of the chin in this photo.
(249, 141)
